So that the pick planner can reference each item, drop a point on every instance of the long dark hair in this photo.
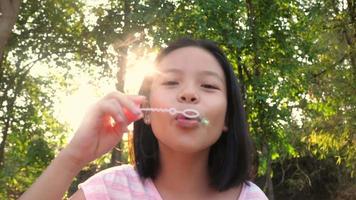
(229, 157)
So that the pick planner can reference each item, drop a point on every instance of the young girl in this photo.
(177, 156)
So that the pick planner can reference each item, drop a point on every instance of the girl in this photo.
(176, 156)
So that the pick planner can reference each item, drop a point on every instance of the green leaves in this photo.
(39, 152)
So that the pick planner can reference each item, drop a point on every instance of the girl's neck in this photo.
(183, 173)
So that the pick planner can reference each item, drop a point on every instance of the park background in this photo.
(295, 59)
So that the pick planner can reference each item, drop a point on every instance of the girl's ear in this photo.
(147, 119)
(225, 128)
(146, 115)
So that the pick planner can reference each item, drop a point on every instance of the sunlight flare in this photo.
(138, 68)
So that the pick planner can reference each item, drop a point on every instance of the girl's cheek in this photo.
(162, 95)
(156, 100)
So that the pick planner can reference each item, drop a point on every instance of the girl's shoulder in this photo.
(251, 191)
(119, 172)
(120, 182)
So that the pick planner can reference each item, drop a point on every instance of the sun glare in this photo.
(71, 108)
(137, 69)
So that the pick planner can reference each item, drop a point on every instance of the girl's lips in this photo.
(186, 123)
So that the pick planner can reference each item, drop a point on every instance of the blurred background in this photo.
(295, 59)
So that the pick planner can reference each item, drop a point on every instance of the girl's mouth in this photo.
(186, 116)
(181, 116)
(185, 122)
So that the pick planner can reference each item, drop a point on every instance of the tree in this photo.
(53, 35)
(29, 132)
(329, 130)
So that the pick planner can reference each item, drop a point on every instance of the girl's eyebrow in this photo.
(201, 73)
(165, 72)
(213, 74)
(172, 70)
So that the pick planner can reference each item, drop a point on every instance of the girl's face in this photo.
(188, 77)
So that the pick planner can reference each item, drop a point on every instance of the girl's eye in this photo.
(209, 86)
(170, 83)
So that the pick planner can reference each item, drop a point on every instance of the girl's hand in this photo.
(103, 126)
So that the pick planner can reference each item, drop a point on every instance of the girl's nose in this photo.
(188, 96)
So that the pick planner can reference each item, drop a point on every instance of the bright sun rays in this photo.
(137, 69)
(72, 108)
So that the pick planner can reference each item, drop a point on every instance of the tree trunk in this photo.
(9, 10)
(268, 188)
(116, 157)
(17, 81)
(4, 134)
(241, 78)
(121, 50)
(350, 35)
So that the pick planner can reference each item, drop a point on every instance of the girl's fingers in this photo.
(138, 99)
(114, 109)
(130, 103)
(117, 110)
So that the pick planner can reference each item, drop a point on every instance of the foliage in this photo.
(30, 135)
(34, 136)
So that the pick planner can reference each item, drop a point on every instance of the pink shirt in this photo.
(123, 182)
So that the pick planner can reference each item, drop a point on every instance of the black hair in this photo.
(229, 158)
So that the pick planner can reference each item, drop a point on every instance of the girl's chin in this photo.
(185, 147)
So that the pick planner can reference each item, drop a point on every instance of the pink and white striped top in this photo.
(123, 182)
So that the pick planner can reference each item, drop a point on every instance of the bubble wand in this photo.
(188, 113)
